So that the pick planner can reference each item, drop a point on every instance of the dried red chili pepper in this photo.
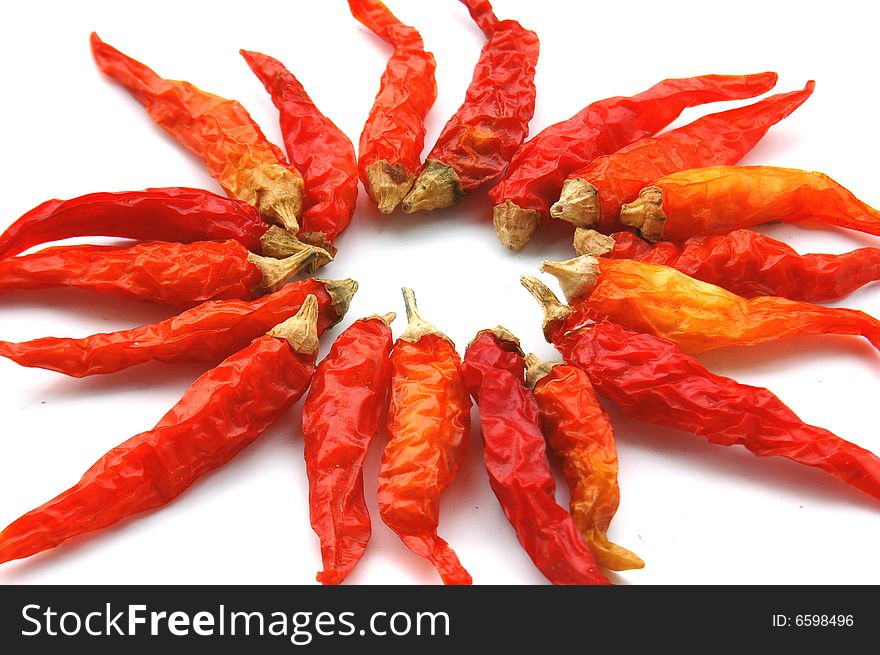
(516, 460)
(220, 131)
(428, 432)
(206, 333)
(225, 410)
(390, 148)
(696, 315)
(579, 431)
(316, 147)
(534, 178)
(169, 214)
(178, 274)
(745, 262)
(651, 379)
(340, 417)
(593, 195)
(719, 199)
(478, 141)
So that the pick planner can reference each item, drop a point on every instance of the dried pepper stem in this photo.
(653, 380)
(197, 435)
(220, 131)
(696, 315)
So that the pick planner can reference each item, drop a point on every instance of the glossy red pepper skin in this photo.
(717, 139)
(479, 140)
(174, 274)
(751, 264)
(537, 171)
(169, 214)
(206, 333)
(219, 131)
(516, 461)
(428, 433)
(339, 420)
(651, 379)
(579, 431)
(225, 410)
(315, 146)
(391, 143)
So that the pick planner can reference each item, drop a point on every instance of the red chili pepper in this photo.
(479, 140)
(206, 333)
(719, 199)
(220, 131)
(170, 214)
(534, 178)
(222, 412)
(428, 432)
(390, 149)
(516, 460)
(316, 147)
(340, 417)
(651, 379)
(745, 262)
(593, 195)
(579, 431)
(169, 273)
(696, 315)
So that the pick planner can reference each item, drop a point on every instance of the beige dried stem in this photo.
(590, 242)
(436, 187)
(645, 213)
(551, 307)
(277, 271)
(537, 369)
(341, 292)
(417, 327)
(388, 184)
(578, 204)
(577, 277)
(301, 329)
(513, 224)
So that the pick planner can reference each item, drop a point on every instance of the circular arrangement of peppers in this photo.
(666, 267)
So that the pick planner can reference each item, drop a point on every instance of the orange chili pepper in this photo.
(580, 433)
(695, 315)
(220, 131)
(428, 433)
(719, 199)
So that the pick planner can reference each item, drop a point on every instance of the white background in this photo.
(694, 512)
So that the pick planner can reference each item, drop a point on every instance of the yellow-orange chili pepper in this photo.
(720, 199)
(696, 315)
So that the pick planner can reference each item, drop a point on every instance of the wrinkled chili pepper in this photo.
(745, 262)
(428, 432)
(390, 148)
(169, 214)
(478, 141)
(206, 333)
(719, 199)
(593, 195)
(651, 379)
(516, 459)
(225, 410)
(177, 274)
(532, 182)
(579, 431)
(696, 315)
(316, 147)
(340, 417)
(220, 131)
